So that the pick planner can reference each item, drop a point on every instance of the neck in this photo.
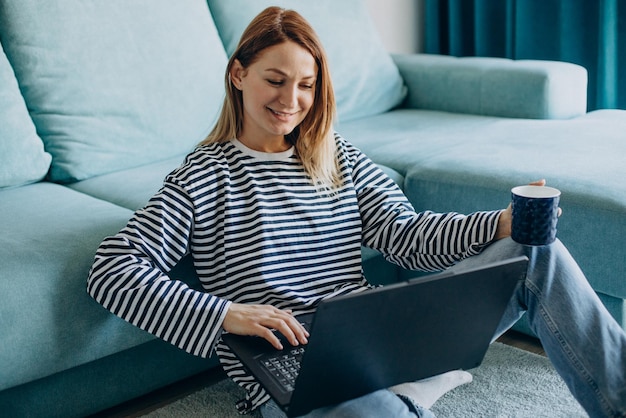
(268, 145)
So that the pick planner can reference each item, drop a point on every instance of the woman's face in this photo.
(278, 90)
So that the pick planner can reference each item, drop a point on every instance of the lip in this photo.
(282, 115)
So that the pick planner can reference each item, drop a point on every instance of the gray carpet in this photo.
(509, 383)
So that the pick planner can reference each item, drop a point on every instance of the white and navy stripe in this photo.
(261, 232)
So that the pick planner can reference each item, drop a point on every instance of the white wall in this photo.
(399, 23)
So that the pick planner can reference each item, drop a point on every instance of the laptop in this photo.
(363, 342)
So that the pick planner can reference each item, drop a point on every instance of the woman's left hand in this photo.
(503, 229)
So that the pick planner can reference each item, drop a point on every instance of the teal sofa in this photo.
(99, 100)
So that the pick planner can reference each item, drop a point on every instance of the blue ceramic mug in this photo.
(535, 214)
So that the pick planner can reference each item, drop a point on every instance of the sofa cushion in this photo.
(404, 138)
(87, 390)
(115, 84)
(464, 163)
(48, 322)
(22, 156)
(115, 187)
(366, 80)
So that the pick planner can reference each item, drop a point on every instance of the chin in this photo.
(284, 131)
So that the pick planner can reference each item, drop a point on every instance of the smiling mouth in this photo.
(281, 114)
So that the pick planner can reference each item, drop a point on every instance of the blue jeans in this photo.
(583, 341)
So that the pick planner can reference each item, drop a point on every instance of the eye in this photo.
(275, 82)
(306, 86)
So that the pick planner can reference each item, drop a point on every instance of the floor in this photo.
(159, 398)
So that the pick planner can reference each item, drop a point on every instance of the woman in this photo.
(274, 207)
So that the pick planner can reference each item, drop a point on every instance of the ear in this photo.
(236, 74)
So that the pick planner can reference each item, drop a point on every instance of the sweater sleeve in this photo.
(128, 276)
(425, 241)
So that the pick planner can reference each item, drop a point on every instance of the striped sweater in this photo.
(260, 232)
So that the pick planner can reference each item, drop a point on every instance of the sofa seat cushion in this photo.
(115, 84)
(48, 322)
(131, 188)
(22, 156)
(455, 162)
(91, 388)
(365, 78)
(392, 138)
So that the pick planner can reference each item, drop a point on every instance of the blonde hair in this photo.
(313, 139)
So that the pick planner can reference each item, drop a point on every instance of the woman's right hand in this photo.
(260, 320)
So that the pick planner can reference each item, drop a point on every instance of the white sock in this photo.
(426, 392)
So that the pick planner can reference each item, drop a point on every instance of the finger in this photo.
(289, 327)
(298, 328)
(260, 320)
(265, 321)
(294, 331)
(270, 337)
(541, 182)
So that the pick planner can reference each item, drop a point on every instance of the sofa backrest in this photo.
(115, 84)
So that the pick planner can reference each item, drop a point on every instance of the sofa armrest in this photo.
(494, 86)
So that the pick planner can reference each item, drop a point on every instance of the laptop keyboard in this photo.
(285, 367)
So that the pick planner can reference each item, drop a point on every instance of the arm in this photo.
(128, 276)
(494, 86)
(417, 241)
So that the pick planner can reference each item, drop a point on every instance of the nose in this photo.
(289, 96)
